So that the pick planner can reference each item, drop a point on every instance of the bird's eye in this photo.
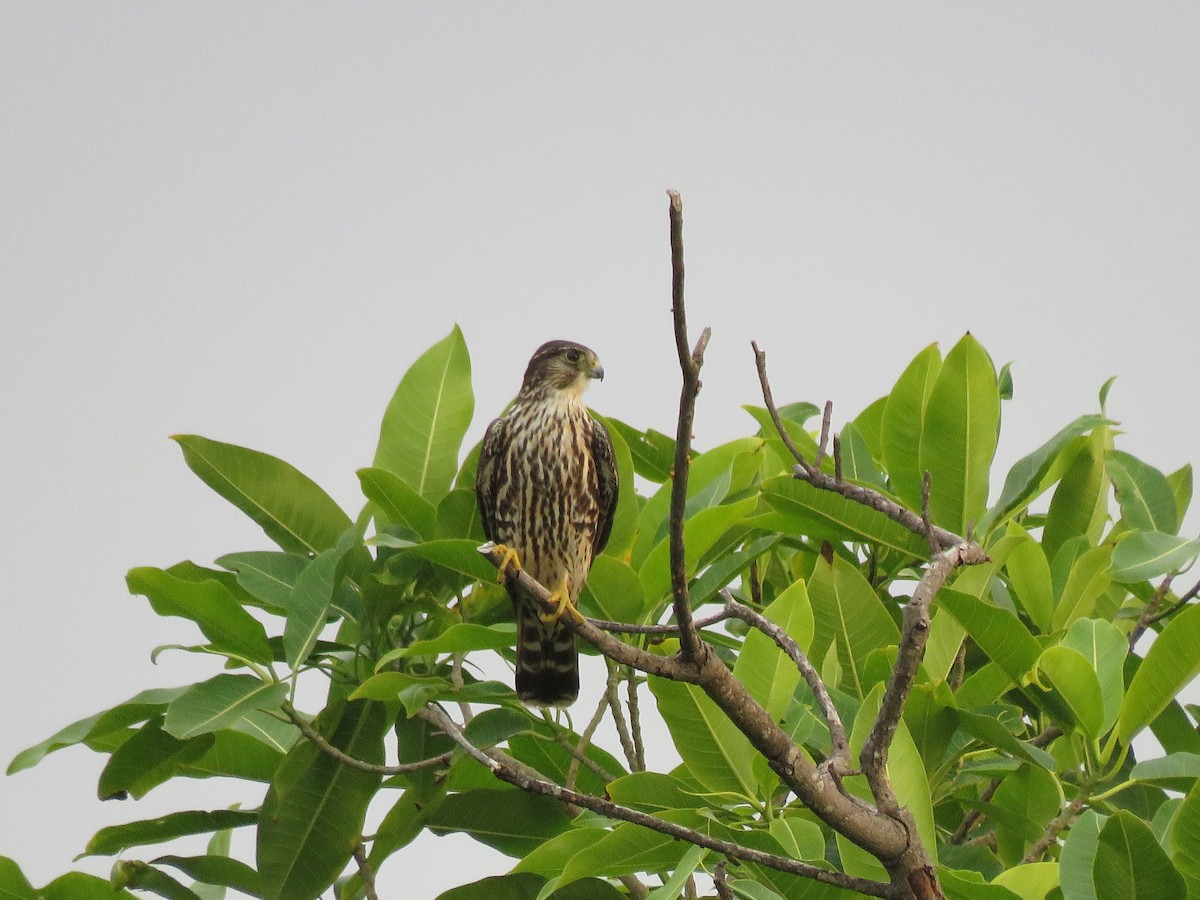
(574, 356)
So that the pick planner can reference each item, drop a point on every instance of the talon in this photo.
(508, 558)
(561, 599)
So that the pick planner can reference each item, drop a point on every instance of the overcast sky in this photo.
(245, 221)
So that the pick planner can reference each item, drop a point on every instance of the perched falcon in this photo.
(547, 488)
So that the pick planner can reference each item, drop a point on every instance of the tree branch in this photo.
(668, 628)
(1055, 827)
(806, 471)
(536, 785)
(365, 872)
(913, 637)
(327, 748)
(840, 746)
(689, 365)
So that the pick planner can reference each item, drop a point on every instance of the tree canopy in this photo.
(879, 678)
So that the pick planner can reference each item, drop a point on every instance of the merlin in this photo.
(547, 488)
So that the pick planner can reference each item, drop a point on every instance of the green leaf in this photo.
(424, 424)
(288, 505)
(99, 728)
(1171, 663)
(1131, 864)
(1078, 857)
(1077, 683)
(207, 603)
(820, 514)
(653, 452)
(992, 731)
(654, 792)
(1176, 771)
(1030, 880)
(495, 726)
(397, 502)
(857, 464)
(1181, 490)
(904, 424)
(1028, 477)
(216, 869)
(629, 848)
(313, 813)
(1147, 554)
(1105, 648)
(220, 702)
(613, 591)
(118, 838)
(1145, 497)
(849, 616)
(700, 532)
(512, 822)
(13, 883)
(312, 597)
(869, 424)
(1089, 578)
(268, 575)
(766, 671)
(625, 516)
(998, 632)
(1185, 838)
(1025, 802)
(457, 555)
(716, 753)
(135, 874)
(462, 637)
(1080, 501)
(958, 436)
(146, 760)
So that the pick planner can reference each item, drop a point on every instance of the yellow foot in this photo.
(508, 558)
(561, 599)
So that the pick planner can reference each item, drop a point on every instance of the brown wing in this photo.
(607, 484)
(495, 442)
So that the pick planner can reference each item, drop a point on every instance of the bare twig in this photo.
(668, 628)
(327, 748)
(689, 365)
(840, 746)
(613, 698)
(579, 751)
(1055, 827)
(635, 723)
(913, 637)
(365, 872)
(723, 891)
(926, 521)
(805, 471)
(536, 785)
(826, 417)
(837, 458)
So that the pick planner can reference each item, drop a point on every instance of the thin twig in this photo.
(826, 417)
(805, 471)
(926, 520)
(365, 872)
(913, 637)
(579, 753)
(1056, 826)
(837, 458)
(1148, 611)
(840, 746)
(723, 891)
(635, 722)
(668, 628)
(613, 697)
(436, 715)
(327, 748)
(689, 365)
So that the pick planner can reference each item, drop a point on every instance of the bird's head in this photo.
(561, 367)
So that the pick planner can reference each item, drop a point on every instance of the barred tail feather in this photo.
(547, 661)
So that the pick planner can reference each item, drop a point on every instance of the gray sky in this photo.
(246, 221)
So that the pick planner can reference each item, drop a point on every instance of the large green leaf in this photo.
(1185, 838)
(818, 514)
(625, 516)
(425, 421)
(216, 869)
(958, 437)
(288, 505)
(1025, 802)
(146, 760)
(1089, 578)
(118, 838)
(207, 603)
(313, 813)
(716, 753)
(612, 591)
(700, 532)
(1078, 857)
(1080, 501)
(396, 501)
(653, 452)
(219, 703)
(100, 730)
(1071, 675)
(512, 822)
(849, 616)
(1130, 863)
(1029, 574)
(630, 848)
(1031, 474)
(1105, 648)
(766, 671)
(1147, 554)
(312, 597)
(1145, 497)
(904, 424)
(268, 575)
(998, 632)
(1170, 665)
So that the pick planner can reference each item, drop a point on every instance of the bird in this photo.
(546, 487)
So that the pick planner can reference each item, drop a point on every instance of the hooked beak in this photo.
(597, 371)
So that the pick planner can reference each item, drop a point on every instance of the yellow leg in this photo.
(561, 599)
(508, 559)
